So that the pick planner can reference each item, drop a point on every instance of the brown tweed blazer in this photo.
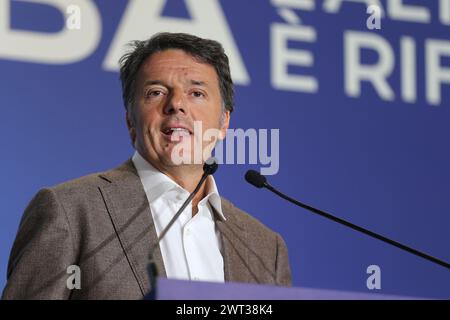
(102, 223)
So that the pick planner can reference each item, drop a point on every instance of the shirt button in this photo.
(188, 232)
(195, 278)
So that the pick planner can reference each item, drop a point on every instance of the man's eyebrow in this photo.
(159, 82)
(152, 82)
(199, 83)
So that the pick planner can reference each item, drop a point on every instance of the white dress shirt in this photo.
(191, 248)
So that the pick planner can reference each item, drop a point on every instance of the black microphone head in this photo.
(255, 178)
(211, 165)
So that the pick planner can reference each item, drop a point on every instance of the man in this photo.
(104, 225)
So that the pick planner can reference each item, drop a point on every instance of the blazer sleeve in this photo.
(42, 252)
(283, 270)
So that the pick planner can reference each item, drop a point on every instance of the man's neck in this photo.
(188, 177)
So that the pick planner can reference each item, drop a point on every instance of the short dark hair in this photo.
(205, 50)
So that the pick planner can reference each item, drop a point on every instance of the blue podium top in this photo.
(168, 289)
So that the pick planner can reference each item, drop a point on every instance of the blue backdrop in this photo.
(363, 115)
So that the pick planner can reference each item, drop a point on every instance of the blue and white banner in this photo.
(347, 103)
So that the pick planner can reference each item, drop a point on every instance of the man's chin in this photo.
(178, 160)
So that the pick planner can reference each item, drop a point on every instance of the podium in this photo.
(168, 289)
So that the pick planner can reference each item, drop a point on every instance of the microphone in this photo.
(209, 168)
(255, 178)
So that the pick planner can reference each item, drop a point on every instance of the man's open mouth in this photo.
(175, 132)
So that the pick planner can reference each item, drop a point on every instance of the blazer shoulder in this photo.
(94, 180)
(87, 187)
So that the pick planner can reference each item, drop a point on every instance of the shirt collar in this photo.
(156, 184)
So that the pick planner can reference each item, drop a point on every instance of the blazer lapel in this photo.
(234, 247)
(129, 210)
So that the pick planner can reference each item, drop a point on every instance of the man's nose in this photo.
(176, 103)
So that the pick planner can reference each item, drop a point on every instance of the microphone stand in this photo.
(259, 181)
(209, 168)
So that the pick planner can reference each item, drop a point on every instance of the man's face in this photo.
(174, 91)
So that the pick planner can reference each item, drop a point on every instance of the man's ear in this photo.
(225, 125)
(131, 127)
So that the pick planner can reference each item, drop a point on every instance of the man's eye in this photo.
(154, 93)
(198, 94)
